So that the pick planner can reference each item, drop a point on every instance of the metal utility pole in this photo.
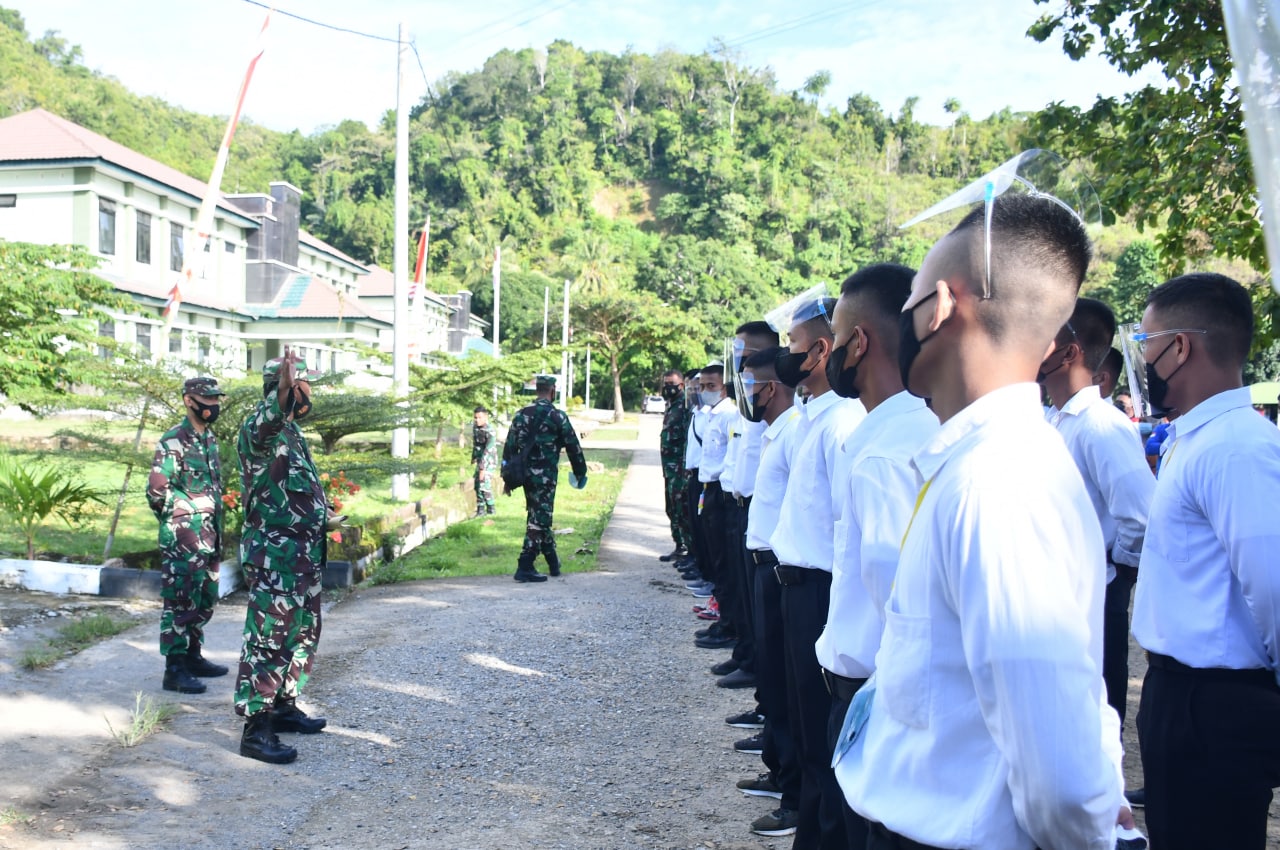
(546, 306)
(497, 296)
(587, 390)
(400, 345)
(564, 341)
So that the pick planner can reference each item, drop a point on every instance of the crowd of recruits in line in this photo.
(931, 600)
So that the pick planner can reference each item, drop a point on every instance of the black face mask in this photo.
(909, 344)
(1042, 375)
(206, 413)
(789, 367)
(756, 411)
(671, 392)
(301, 404)
(840, 378)
(1158, 387)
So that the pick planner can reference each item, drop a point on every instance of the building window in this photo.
(229, 247)
(143, 250)
(106, 226)
(144, 339)
(106, 330)
(175, 341)
(8, 201)
(203, 346)
(175, 246)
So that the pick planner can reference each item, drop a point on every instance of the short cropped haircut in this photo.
(1215, 303)
(1095, 327)
(676, 372)
(480, 408)
(760, 329)
(764, 360)
(691, 374)
(820, 325)
(880, 292)
(714, 369)
(1040, 253)
(1112, 364)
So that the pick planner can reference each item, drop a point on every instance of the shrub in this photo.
(30, 494)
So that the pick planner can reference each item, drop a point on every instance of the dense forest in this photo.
(691, 181)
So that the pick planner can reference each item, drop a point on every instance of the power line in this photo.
(796, 23)
(314, 22)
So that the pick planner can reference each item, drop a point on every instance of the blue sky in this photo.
(193, 52)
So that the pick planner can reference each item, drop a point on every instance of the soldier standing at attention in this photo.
(185, 493)
(283, 553)
(675, 431)
(546, 431)
(484, 454)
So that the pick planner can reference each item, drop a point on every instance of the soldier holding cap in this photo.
(283, 554)
(546, 431)
(184, 491)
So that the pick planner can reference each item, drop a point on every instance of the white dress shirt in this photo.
(693, 443)
(776, 448)
(1109, 454)
(715, 440)
(880, 492)
(728, 474)
(748, 459)
(1209, 588)
(988, 726)
(806, 525)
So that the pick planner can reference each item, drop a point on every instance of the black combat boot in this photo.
(177, 678)
(287, 717)
(525, 570)
(198, 665)
(259, 742)
(553, 563)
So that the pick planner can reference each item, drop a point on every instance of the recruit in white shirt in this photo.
(1209, 588)
(693, 443)
(806, 524)
(1108, 452)
(715, 441)
(748, 459)
(880, 492)
(987, 723)
(776, 448)
(728, 472)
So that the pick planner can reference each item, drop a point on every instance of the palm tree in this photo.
(590, 262)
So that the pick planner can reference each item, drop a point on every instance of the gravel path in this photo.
(475, 713)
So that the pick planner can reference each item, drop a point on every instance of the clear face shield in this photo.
(691, 387)
(749, 404)
(1036, 172)
(1132, 344)
(801, 308)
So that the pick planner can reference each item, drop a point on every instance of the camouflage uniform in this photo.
(552, 431)
(184, 491)
(675, 433)
(484, 454)
(282, 552)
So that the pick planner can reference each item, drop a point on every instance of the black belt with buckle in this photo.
(764, 557)
(841, 687)
(744, 502)
(1254, 676)
(789, 575)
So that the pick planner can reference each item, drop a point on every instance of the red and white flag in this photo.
(193, 253)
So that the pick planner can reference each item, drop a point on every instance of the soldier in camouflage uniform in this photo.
(283, 553)
(184, 491)
(675, 431)
(484, 454)
(550, 431)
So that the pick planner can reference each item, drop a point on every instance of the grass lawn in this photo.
(475, 548)
(615, 434)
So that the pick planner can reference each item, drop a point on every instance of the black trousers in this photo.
(804, 614)
(779, 752)
(693, 490)
(1115, 639)
(855, 825)
(1210, 745)
(737, 595)
(880, 838)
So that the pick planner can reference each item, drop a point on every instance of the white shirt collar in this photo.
(722, 403)
(818, 405)
(1089, 395)
(1209, 409)
(995, 406)
(789, 415)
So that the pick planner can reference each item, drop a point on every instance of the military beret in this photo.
(271, 371)
(203, 385)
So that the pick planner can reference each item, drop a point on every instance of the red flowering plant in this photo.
(337, 486)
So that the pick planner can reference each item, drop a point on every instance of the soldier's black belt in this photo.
(764, 557)
(841, 687)
(1255, 676)
(789, 575)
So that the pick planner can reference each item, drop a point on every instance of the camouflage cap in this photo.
(271, 370)
(203, 385)
(545, 381)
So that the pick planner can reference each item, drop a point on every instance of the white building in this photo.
(264, 284)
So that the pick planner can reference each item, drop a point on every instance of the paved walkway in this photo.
(472, 713)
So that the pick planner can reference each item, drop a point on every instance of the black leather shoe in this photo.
(722, 642)
(553, 565)
(176, 677)
(737, 679)
(674, 555)
(529, 576)
(685, 563)
(287, 717)
(198, 665)
(1137, 798)
(724, 668)
(258, 741)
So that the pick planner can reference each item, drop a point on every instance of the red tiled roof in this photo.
(378, 283)
(193, 294)
(41, 136)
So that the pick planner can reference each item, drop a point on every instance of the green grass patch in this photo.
(475, 548)
(145, 720)
(72, 638)
(11, 816)
(615, 434)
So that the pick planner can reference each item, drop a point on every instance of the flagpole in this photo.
(400, 345)
(497, 296)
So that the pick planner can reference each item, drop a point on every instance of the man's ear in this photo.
(944, 306)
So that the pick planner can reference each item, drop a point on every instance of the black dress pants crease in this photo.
(735, 581)
(1115, 638)
(804, 613)
(779, 752)
(855, 825)
(1210, 745)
